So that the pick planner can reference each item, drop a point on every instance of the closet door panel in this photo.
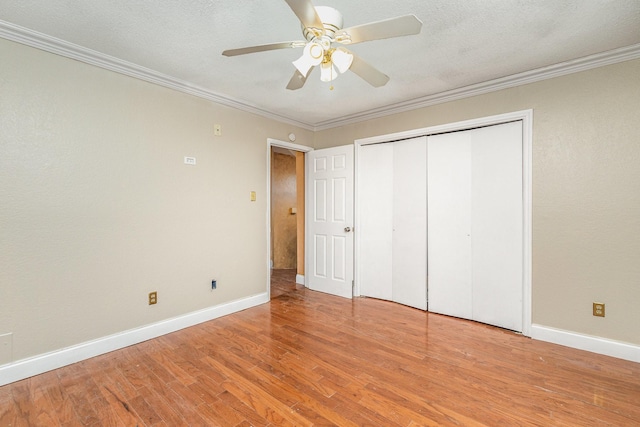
(497, 228)
(375, 230)
(449, 224)
(410, 222)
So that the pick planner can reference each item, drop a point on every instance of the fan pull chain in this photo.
(331, 86)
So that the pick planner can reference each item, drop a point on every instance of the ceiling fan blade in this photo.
(367, 72)
(263, 48)
(297, 80)
(306, 13)
(394, 27)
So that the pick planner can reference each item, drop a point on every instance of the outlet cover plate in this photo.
(598, 309)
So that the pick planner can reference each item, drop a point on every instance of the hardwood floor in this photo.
(312, 359)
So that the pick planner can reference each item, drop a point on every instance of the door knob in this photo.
(347, 229)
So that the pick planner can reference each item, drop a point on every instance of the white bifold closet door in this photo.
(392, 204)
(475, 223)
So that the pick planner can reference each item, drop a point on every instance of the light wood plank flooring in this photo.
(312, 359)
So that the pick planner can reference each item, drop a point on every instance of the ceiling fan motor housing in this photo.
(331, 20)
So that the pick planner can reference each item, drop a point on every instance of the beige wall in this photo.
(97, 208)
(586, 190)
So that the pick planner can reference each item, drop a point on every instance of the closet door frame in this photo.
(526, 116)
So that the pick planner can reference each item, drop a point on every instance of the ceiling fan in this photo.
(322, 29)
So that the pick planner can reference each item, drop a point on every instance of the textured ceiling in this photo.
(463, 42)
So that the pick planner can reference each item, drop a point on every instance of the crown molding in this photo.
(57, 46)
(60, 47)
(610, 57)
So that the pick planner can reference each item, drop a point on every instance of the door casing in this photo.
(290, 146)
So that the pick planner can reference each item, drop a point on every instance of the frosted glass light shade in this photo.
(328, 72)
(342, 60)
(311, 56)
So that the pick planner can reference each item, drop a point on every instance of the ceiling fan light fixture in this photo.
(322, 28)
(311, 56)
(328, 71)
(342, 60)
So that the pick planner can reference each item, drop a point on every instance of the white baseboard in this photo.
(300, 279)
(590, 343)
(56, 359)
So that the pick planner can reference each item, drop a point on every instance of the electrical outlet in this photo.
(214, 284)
(598, 309)
(153, 298)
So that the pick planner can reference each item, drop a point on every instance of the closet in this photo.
(450, 205)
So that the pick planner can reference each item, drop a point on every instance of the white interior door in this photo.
(497, 209)
(410, 222)
(475, 222)
(392, 231)
(375, 226)
(329, 245)
(449, 224)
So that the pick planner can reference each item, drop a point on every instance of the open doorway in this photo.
(286, 217)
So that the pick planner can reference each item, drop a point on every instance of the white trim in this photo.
(291, 146)
(526, 115)
(300, 279)
(527, 138)
(601, 59)
(356, 219)
(527, 219)
(64, 48)
(619, 349)
(56, 359)
(60, 47)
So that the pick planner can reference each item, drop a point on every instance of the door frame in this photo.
(290, 146)
(527, 137)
